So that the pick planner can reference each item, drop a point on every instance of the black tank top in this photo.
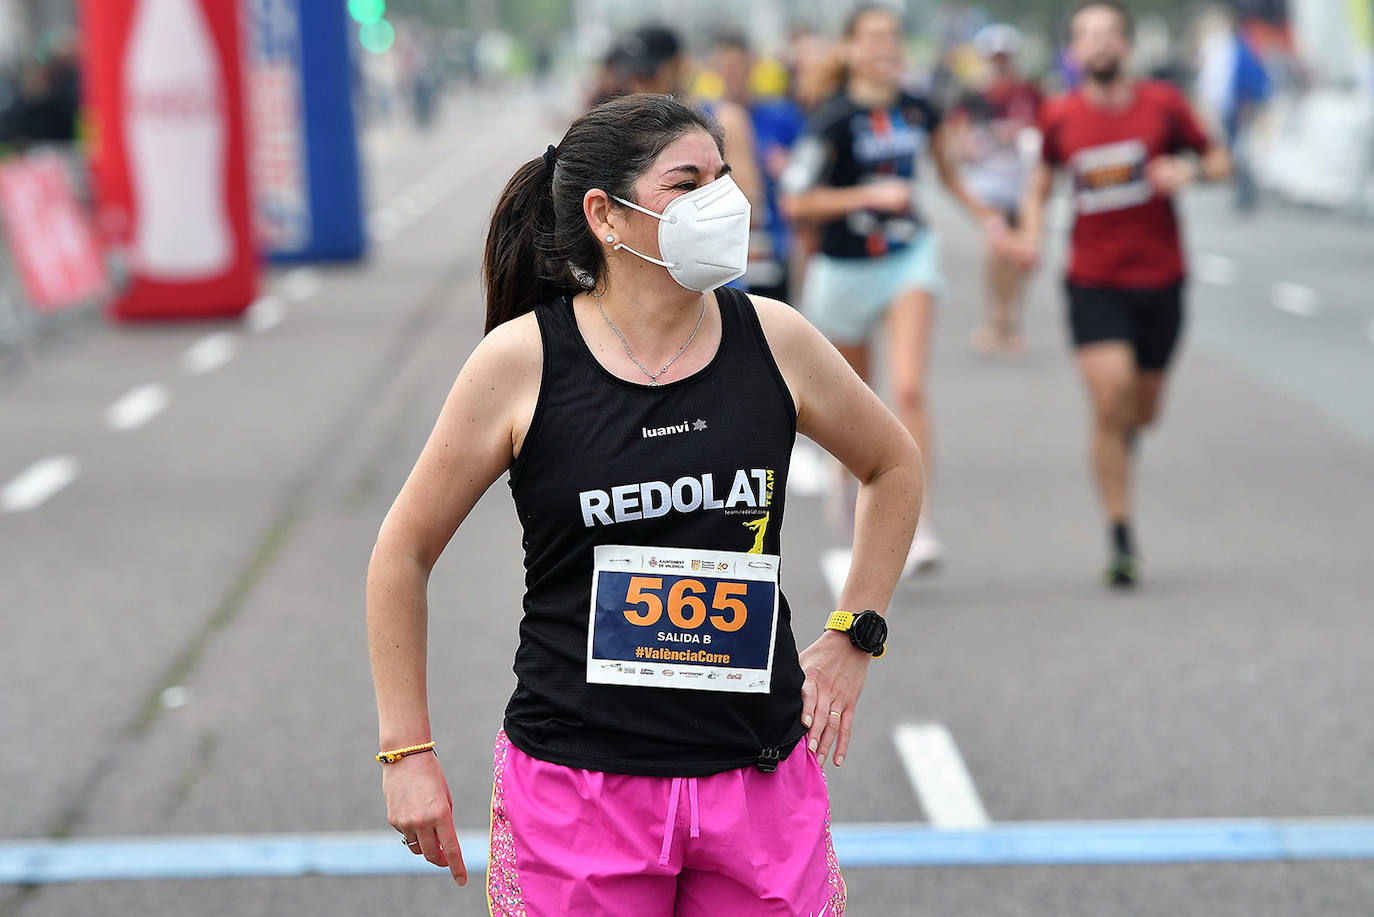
(591, 433)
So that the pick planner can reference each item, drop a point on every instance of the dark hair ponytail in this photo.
(521, 228)
(539, 245)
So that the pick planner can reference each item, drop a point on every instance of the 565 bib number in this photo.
(682, 618)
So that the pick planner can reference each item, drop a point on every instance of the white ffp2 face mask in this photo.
(703, 235)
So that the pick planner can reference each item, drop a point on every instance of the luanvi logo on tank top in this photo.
(685, 427)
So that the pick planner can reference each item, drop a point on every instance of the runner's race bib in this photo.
(683, 618)
(1111, 177)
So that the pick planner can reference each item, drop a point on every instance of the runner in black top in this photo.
(853, 175)
(646, 418)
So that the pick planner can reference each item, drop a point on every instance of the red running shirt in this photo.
(1124, 234)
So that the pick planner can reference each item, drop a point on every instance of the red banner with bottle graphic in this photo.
(164, 86)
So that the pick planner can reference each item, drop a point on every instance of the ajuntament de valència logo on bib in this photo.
(686, 426)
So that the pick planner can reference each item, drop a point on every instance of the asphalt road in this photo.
(183, 648)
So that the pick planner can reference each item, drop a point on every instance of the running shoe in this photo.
(1122, 572)
(926, 552)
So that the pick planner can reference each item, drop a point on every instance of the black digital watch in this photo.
(867, 630)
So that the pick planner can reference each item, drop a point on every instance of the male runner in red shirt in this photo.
(1120, 139)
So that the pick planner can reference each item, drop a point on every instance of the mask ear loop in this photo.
(657, 216)
(619, 245)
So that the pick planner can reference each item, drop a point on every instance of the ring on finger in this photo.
(834, 713)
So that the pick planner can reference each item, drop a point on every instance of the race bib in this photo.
(1111, 177)
(683, 618)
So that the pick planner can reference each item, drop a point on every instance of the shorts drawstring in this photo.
(692, 802)
(668, 822)
(674, 794)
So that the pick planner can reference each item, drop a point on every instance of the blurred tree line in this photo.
(526, 16)
(517, 16)
(1050, 14)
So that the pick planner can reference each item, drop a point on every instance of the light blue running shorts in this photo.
(846, 297)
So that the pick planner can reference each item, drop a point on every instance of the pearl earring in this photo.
(610, 238)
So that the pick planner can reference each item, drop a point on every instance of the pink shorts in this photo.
(567, 841)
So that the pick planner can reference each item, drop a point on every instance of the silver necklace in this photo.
(653, 377)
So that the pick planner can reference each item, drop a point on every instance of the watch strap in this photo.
(840, 620)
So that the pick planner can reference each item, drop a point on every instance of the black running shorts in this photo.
(1148, 320)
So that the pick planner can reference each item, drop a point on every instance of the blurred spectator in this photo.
(541, 55)
(817, 69)
(47, 107)
(10, 108)
(651, 59)
(41, 102)
(759, 88)
(606, 80)
(648, 59)
(995, 123)
(1232, 87)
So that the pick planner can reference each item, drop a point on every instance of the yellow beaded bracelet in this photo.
(391, 757)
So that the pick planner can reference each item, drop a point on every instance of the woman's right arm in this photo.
(477, 434)
(806, 195)
(825, 204)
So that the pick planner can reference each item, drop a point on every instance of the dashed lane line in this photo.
(1216, 270)
(382, 225)
(835, 569)
(300, 284)
(38, 483)
(938, 774)
(209, 353)
(1296, 299)
(265, 314)
(807, 474)
(137, 407)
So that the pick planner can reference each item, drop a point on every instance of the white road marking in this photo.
(382, 225)
(835, 569)
(429, 191)
(300, 284)
(174, 697)
(941, 780)
(1296, 299)
(137, 406)
(408, 208)
(209, 353)
(265, 314)
(807, 475)
(32, 487)
(1217, 270)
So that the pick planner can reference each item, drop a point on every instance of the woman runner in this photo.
(662, 752)
(852, 173)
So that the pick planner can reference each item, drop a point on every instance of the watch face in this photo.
(869, 631)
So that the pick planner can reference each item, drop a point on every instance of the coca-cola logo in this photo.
(175, 102)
